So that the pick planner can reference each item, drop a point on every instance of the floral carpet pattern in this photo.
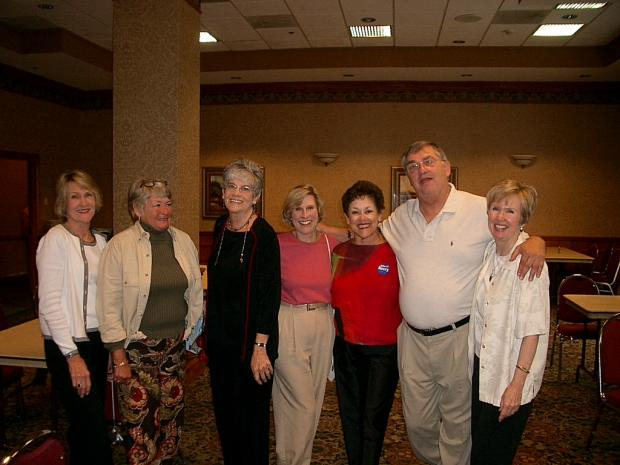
(556, 433)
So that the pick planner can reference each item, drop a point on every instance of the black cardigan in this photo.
(260, 295)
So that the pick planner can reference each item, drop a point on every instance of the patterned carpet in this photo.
(556, 432)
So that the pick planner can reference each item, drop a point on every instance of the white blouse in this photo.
(506, 309)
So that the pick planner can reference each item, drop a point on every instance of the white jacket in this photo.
(67, 283)
(125, 282)
(511, 309)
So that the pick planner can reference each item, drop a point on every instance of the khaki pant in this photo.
(301, 369)
(436, 394)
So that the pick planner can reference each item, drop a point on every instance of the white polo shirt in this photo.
(438, 262)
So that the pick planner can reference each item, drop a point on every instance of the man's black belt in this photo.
(443, 329)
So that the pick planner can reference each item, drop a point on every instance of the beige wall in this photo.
(64, 139)
(576, 173)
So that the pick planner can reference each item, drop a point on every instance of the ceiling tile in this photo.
(323, 7)
(507, 35)
(282, 38)
(261, 7)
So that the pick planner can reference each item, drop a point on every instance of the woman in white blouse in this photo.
(508, 337)
(67, 264)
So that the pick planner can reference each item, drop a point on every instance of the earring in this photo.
(521, 228)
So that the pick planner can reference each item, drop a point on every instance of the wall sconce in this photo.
(523, 161)
(326, 158)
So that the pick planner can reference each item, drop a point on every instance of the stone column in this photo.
(157, 104)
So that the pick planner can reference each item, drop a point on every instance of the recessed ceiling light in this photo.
(458, 41)
(368, 19)
(45, 6)
(581, 6)
(569, 16)
(235, 78)
(466, 75)
(467, 18)
(370, 31)
(205, 37)
(348, 75)
(557, 30)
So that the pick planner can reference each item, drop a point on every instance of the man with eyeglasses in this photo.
(439, 240)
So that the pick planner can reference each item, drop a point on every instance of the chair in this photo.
(45, 448)
(608, 370)
(571, 324)
(599, 265)
(608, 283)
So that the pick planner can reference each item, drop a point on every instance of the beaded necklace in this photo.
(245, 236)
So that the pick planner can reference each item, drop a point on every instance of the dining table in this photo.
(557, 257)
(558, 254)
(22, 346)
(595, 307)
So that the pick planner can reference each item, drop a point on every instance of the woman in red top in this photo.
(365, 299)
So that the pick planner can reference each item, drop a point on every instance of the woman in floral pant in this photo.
(149, 301)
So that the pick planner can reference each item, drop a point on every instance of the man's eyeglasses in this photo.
(153, 182)
(428, 162)
(245, 189)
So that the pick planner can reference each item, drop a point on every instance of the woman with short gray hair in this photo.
(242, 318)
(149, 301)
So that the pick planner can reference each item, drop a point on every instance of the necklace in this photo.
(219, 249)
(498, 261)
(230, 226)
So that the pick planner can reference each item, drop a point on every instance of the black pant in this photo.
(241, 409)
(494, 443)
(366, 379)
(87, 432)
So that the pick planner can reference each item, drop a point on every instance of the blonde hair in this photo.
(527, 195)
(294, 199)
(82, 179)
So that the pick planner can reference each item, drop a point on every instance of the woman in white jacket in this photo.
(67, 262)
(508, 331)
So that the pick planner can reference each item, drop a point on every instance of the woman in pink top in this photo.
(306, 327)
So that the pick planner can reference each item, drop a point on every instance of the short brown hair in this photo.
(419, 145)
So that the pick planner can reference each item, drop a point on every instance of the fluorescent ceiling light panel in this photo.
(557, 30)
(370, 31)
(206, 37)
(581, 6)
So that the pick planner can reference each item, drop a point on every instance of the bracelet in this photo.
(70, 355)
(118, 365)
(523, 369)
(262, 345)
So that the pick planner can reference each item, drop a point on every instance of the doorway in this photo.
(18, 231)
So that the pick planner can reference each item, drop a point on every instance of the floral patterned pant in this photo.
(152, 402)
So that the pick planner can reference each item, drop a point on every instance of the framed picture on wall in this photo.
(402, 190)
(213, 193)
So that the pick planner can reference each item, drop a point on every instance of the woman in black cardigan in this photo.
(242, 318)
